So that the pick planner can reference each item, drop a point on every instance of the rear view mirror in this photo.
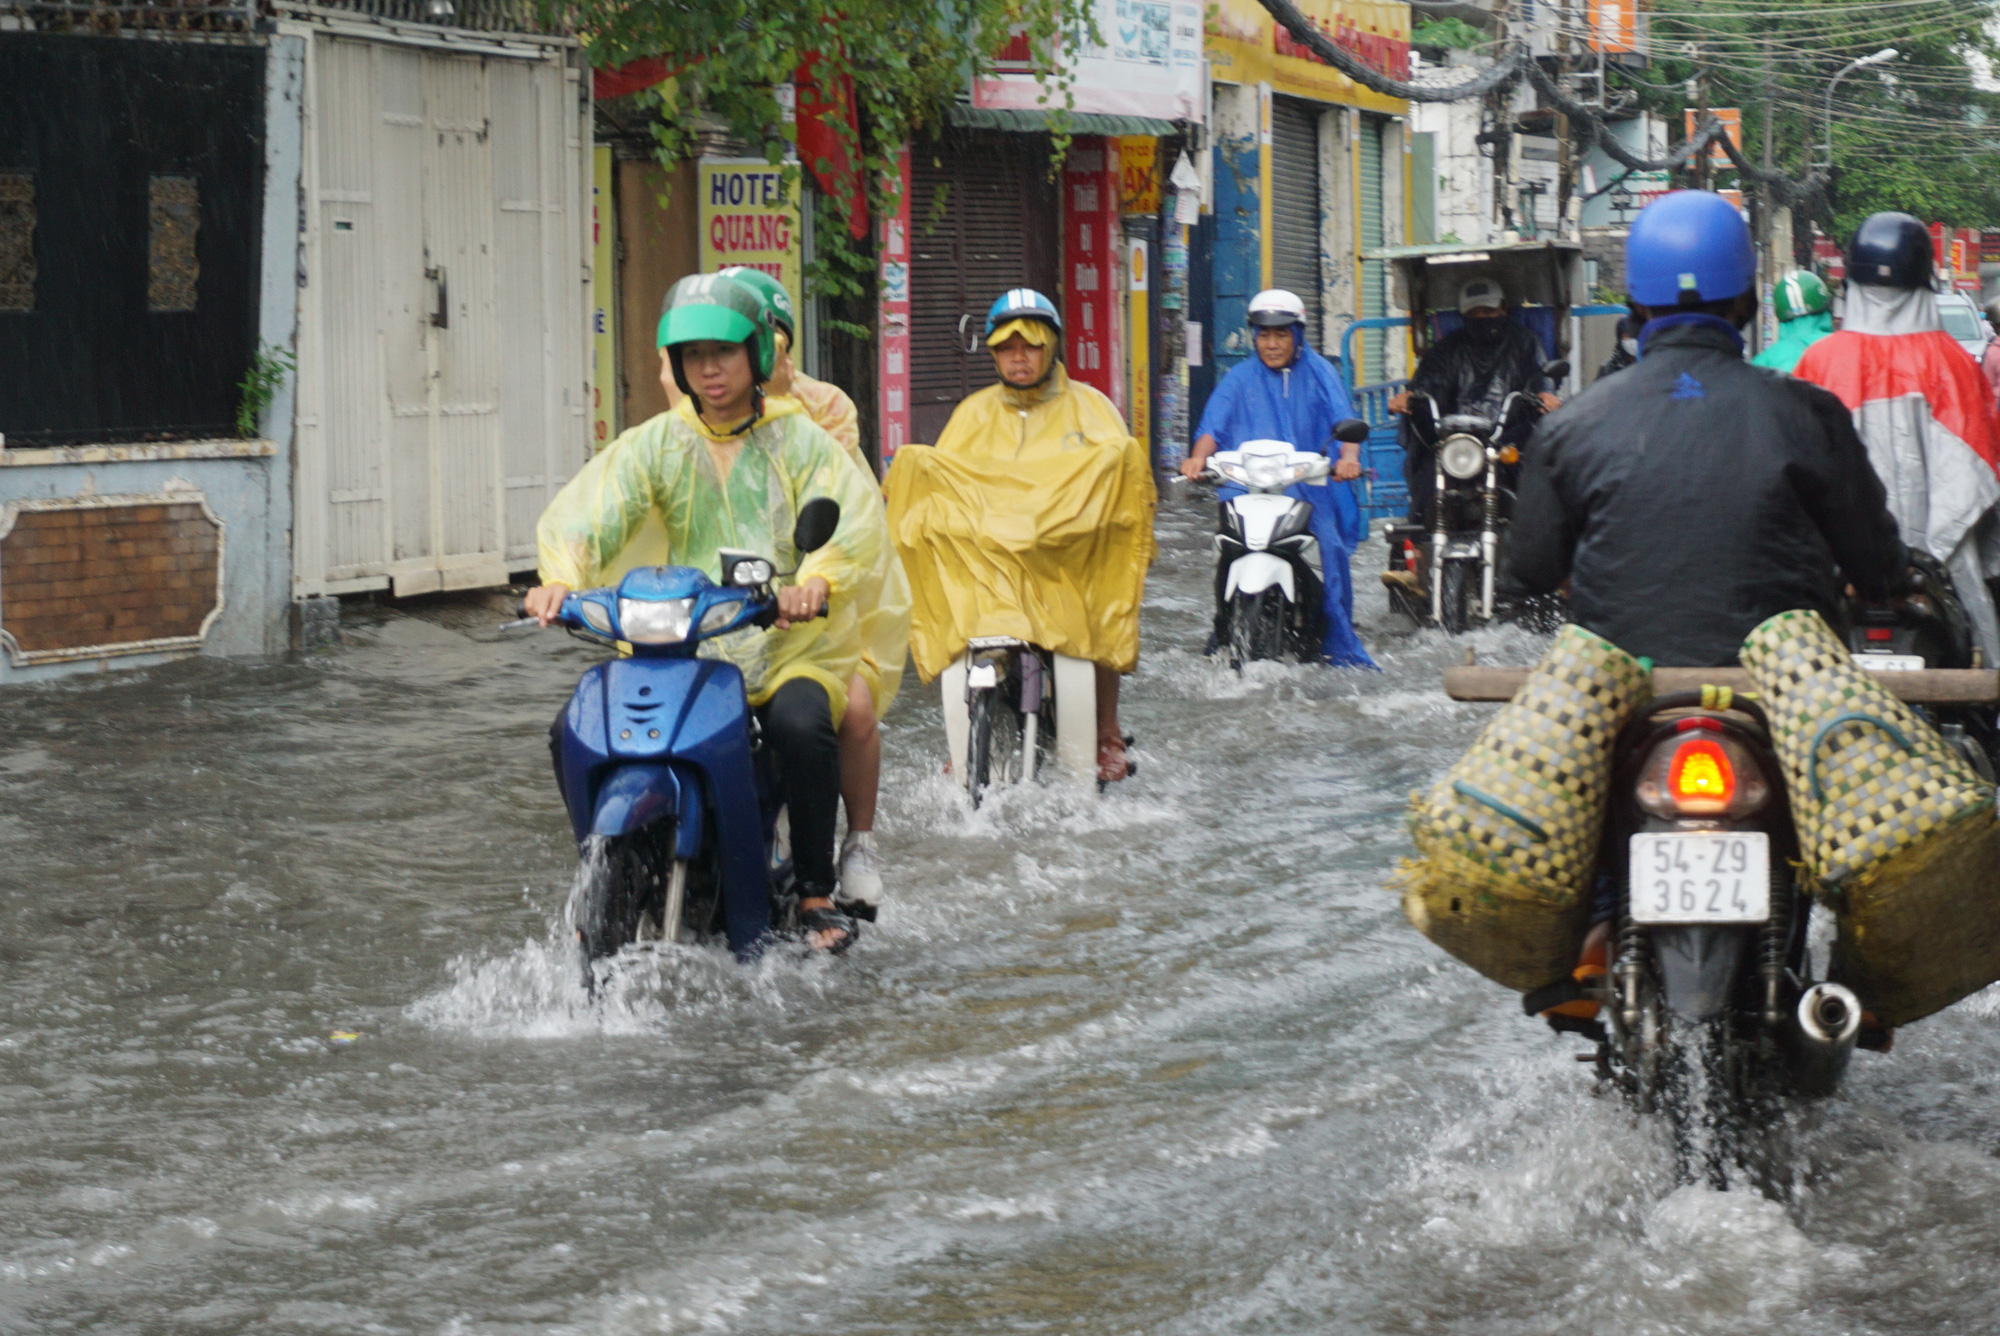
(1556, 370)
(1353, 431)
(818, 518)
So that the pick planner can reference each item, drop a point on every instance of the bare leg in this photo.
(1110, 738)
(860, 756)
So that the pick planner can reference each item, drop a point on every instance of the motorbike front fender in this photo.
(1254, 572)
(1698, 967)
(633, 796)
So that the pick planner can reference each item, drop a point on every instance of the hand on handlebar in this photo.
(1399, 403)
(1192, 468)
(544, 602)
(1549, 402)
(801, 602)
(1346, 470)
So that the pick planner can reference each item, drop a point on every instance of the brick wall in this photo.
(108, 575)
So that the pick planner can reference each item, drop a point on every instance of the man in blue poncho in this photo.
(1288, 392)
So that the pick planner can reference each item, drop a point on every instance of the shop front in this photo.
(1306, 174)
(991, 204)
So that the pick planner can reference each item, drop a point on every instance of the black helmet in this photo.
(1890, 250)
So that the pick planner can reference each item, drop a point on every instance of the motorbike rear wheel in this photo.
(1456, 590)
(993, 742)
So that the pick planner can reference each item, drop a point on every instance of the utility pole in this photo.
(1704, 170)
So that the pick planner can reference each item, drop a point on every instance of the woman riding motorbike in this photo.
(1032, 516)
(728, 468)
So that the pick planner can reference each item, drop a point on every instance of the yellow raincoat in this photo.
(828, 405)
(1031, 517)
(658, 495)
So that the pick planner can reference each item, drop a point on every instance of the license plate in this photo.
(1701, 877)
(1891, 663)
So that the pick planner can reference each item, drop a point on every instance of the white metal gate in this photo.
(443, 376)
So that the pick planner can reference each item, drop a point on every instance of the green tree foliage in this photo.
(906, 61)
(1914, 135)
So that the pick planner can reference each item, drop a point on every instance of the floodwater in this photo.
(292, 1043)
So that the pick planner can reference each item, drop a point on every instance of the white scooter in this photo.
(1270, 573)
(1011, 708)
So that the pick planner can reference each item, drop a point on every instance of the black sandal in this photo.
(830, 920)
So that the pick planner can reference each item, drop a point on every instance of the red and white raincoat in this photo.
(1927, 416)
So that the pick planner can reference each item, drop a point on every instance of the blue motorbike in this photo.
(674, 804)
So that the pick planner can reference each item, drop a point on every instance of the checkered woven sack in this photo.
(1508, 837)
(1898, 833)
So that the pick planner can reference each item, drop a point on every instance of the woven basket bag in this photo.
(1899, 835)
(1507, 840)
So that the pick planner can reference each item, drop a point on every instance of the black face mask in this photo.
(1484, 329)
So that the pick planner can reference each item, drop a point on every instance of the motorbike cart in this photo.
(1443, 558)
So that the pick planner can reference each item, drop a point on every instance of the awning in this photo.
(1036, 121)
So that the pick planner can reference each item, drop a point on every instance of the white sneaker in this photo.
(860, 868)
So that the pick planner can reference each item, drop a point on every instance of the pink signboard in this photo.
(892, 371)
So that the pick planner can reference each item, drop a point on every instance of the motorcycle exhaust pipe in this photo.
(1828, 1019)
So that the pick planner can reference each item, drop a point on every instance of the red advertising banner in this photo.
(892, 345)
(1091, 264)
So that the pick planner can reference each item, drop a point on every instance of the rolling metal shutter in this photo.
(1374, 295)
(983, 219)
(1295, 210)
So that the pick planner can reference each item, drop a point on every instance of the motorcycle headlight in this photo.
(1463, 457)
(1264, 473)
(654, 621)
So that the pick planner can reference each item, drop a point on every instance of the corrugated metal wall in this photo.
(1374, 275)
(442, 347)
(1295, 205)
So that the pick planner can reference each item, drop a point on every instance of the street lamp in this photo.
(1882, 57)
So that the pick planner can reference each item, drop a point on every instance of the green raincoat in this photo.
(1794, 337)
(666, 492)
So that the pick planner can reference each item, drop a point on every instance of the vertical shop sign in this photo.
(750, 216)
(1139, 403)
(603, 302)
(1091, 262)
(892, 372)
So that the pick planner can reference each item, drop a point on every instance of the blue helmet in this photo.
(1022, 304)
(1688, 247)
(1890, 250)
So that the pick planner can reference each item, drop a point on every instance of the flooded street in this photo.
(291, 1041)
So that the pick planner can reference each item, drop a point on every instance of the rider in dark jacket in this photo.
(1691, 496)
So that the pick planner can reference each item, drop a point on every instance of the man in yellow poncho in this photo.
(727, 468)
(1031, 517)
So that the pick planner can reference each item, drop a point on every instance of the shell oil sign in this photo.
(750, 216)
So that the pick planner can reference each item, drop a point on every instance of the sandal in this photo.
(1112, 764)
(829, 920)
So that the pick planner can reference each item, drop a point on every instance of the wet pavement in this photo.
(291, 1041)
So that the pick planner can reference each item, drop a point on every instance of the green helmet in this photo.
(772, 291)
(723, 309)
(1800, 293)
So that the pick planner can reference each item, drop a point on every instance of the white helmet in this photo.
(1275, 307)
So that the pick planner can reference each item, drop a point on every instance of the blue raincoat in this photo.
(1300, 404)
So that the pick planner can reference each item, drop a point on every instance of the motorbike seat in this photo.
(1472, 423)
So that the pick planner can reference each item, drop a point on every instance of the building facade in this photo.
(254, 346)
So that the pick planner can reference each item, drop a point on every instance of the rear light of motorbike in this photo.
(1880, 633)
(1701, 771)
(1701, 777)
(1409, 555)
